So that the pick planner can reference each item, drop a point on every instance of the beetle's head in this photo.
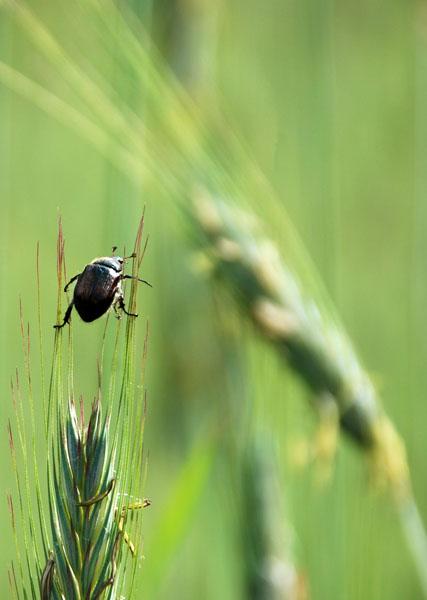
(112, 262)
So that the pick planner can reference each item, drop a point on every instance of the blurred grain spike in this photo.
(314, 345)
(270, 568)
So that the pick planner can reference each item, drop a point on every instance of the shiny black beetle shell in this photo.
(98, 287)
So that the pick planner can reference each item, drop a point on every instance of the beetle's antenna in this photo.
(113, 249)
(133, 255)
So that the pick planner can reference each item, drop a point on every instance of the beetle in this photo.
(98, 288)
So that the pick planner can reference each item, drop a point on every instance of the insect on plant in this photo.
(98, 288)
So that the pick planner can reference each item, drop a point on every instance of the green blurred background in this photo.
(329, 99)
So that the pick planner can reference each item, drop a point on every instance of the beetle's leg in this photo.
(66, 316)
(117, 297)
(131, 277)
(71, 281)
(121, 304)
(118, 315)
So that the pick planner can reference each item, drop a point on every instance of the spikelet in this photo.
(84, 527)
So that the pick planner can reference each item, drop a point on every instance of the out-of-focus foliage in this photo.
(328, 99)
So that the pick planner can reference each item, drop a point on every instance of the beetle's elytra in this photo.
(98, 288)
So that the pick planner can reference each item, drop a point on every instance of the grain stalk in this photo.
(94, 472)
